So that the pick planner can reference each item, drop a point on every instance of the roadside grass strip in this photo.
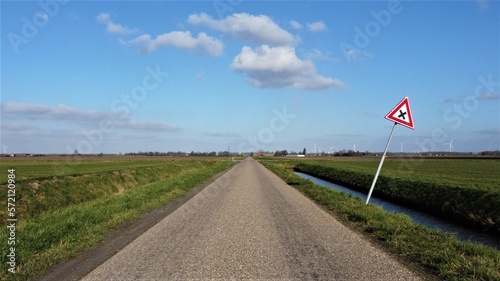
(60, 233)
(42, 169)
(40, 195)
(436, 252)
(475, 206)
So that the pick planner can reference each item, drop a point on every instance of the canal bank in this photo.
(466, 199)
(437, 252)
(462, 233)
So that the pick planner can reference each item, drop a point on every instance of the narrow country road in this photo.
(249, 224)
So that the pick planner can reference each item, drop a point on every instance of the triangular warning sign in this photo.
(401, 114)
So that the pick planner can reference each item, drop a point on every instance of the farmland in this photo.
(479, 174)
(56, 166)
(67, 205)
(431, 250)
(63, 207)
(465, 190)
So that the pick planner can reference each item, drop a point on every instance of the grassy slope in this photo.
(61, 231)
(438, 253)
(466, 190)
(467, 173)
(40, 168)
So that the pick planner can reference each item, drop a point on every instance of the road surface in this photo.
(249, 224)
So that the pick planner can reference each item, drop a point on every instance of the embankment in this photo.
(469, 206)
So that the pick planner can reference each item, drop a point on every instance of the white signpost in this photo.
(400, 114)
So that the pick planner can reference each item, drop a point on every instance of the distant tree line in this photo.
(323, 153)
(350, 152)
(281, 153)
(156, 153)
(180, 153)
(490, 153)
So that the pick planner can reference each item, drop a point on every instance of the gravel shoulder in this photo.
(249, 224)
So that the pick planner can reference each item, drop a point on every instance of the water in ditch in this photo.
(462, 233)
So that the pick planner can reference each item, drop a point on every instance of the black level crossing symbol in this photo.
(402, 114)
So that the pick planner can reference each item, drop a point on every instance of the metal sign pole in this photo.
(380, 165)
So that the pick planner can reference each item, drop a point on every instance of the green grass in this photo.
(438, 253)
(39, 168)
(468, 173)
(60, 231)
(467, 191)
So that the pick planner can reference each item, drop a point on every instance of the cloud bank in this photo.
(272, 64)
(278, 67)
(316, 26)
(114, 28)
(245, 27)
(181, 39)
(76, 116)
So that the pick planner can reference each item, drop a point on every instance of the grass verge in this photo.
(38, 196)
(436, 252)
(60, 233)
(476, 207)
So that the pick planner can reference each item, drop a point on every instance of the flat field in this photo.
(66, 205)
(436, 252)
(466, 190)
(476, 173)
(28, 168)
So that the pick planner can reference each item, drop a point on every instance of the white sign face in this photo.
(401, 114)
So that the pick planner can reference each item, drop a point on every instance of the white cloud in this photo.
(483, 5)
(222, 135)
(129, 123)
(489, 96)
(42, 15)
(279, 67)
(16, 126)
(112, 27)
(258, 29)
(200, 75)
(451, 100)
(316, 26)
(180, 39)
(61, 112)
(460, 99)
(357, 55)
(295, 25)
(316, 54)
(492, 131)
(47, 112)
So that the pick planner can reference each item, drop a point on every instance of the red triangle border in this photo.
(409, 124)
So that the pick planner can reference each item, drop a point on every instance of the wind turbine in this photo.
(4, 149)
(401, 146)
(315, 149)
(354, 147)
(332, 149)
(450, 145)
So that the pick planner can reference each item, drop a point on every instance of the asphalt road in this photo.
(249, 224)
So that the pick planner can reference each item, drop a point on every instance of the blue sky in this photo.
(128, 76)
